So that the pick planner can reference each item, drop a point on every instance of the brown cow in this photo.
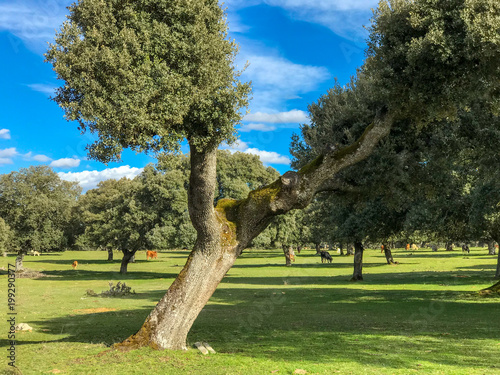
(151, 254)
(75, 264)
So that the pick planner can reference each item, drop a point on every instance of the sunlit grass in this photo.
(420, 316)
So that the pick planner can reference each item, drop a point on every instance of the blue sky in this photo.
(296, 48)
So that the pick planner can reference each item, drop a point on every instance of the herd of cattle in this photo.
(325, 255)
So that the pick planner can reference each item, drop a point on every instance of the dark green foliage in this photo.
(148, 74)
(37, 205)
(428, 59)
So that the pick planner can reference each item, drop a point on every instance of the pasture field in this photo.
(420, 316)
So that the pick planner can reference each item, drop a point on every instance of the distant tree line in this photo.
(437, 187)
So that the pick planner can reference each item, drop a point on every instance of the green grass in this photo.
(420, 316)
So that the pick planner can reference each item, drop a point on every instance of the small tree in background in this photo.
(37, 205)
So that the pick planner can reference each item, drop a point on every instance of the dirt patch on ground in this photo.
(31, 274)
(93, 311)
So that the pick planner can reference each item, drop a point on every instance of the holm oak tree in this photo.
(147, 75)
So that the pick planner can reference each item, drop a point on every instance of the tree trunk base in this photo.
(492, 290)
(139, 340)
(357, 278)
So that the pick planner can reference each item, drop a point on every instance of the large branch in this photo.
(295, 190)
(202, 183)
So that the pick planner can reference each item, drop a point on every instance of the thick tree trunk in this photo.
(224, 232)
(287, 251)
(127, 256)
(318, 248)
(388, 254)
(497, 273)
(491, 248)
(110, 254)
(19, 261)
(358, 262)
(169, 323)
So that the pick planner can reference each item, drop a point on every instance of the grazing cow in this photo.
(36, 254)
(414, 247)
(325, 256)
(75, 264)
(407, 246)
(465, 249)
(382, 248)
(151, 254)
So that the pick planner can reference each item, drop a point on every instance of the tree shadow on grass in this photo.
(301, 276)
(103, 275)
(317, 326)
(485, 267)
(307, 265)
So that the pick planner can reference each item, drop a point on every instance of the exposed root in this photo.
(493, 290)
(139, 340)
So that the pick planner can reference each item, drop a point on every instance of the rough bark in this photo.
(318, 248)
(491, 248)
(388, 254)
(127, 257)
(287, 251)
(224, 232)
(497, 273)
(19, 261)
(496, 238)
(358, 262)
(110, 254)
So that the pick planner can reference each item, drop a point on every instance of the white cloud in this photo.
(239, 145)
(6, 161)
(344, 18)
(269, 157)
(293, 116)
(257, 127)
(4, 134)
(266, 157)
(34, 22)
(8, 152)
(43, 88)
(276, 80)
(90, 179)
(65, 163)
(41, 158)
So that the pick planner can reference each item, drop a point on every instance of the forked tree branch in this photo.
(295, 190)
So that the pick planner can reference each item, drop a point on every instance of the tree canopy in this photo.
(148, 74)
(37, 206)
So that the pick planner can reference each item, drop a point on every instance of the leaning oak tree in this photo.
(149, 74)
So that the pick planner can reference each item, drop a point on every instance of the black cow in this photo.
(325, 256)
(465, 249)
